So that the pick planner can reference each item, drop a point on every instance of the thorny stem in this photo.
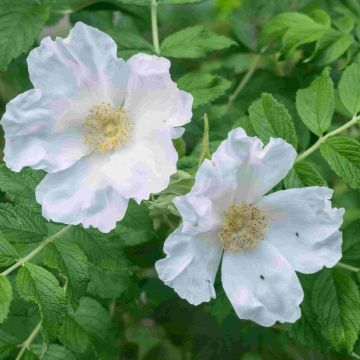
(243, 82)
(321, 139)
(154, 26)
(27, 343)
(33, 253)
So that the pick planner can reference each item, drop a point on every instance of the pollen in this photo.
(106, 128)
(243, 228)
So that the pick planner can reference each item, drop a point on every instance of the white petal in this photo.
(153, 99)
(32, 138)
(261, 285)
(257, 169)
(304, 227)
(190, 265)
(81, 195)
(86, 59)
(202, 209)
(143, 167)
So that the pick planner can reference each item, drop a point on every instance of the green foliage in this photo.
(36, 284)
(204, 87)
(303, 174)
(20, 24)
(18, 224)
(351, 244)
(336, 301)
(8, 253)
(315, 104)
(349, 90)
(193, 42)
(70, 260)
(270, 118)
(5, 297)
(342, 154)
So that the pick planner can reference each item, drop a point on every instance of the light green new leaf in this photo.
(351, 244)
(8, 253)
(6, 297)
(336, 302)
(20, 187)
(303, 174)
(20, 24)
(194, 42)
(90, 321)
(20, 225)
(204, 88)
(270, 118)
(349, 88)
(343, 156)
(71, 261)
(315, 104)
(36, 284)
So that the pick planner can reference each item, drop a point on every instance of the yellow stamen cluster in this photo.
(244, 227)
(106, 128)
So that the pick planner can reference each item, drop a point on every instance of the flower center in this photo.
(244, 227)
(106, 128)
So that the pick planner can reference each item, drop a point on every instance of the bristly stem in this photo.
(154, 26)
(33, 253)
(321, 139)
(27, 343)
(243, 81)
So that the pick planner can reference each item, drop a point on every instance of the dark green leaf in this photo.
(71, 261)
(351, 244)
(20, 24)
(315, 104)
(270, 118)
(5, 297)
(302, 175)
(193, 42)
(8, 253)
(38, 285)
(343, 156)
(349, 89)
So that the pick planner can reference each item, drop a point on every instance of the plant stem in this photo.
(27, 343)
(154, 26)
(243, 81)
(321, 139)
(205, 151)
(35, 251)
(347, 267)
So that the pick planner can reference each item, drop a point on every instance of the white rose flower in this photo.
(101, 127)
(262, 239)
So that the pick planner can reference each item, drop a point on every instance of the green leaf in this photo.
(160, 2)
(332, 45)
(54, 352)
(270, 118)
(349, 89)
(71, 261)
(351, 244)
(136, 227)
(20, 24)
(5, 297)
(205, 88)
(193, 42)
(336, 301)
(303, 174)
(343, 156)
(8, 253)
(38, 285)
(315, 104)
(90, 322)
(7, 344)
(307, 330)
(20, 187)
(20, 225)
(295, 29)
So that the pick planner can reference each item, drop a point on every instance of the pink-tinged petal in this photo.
(304, 227)
(261, 285)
